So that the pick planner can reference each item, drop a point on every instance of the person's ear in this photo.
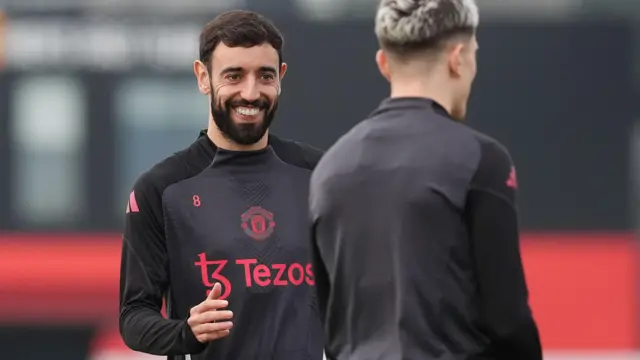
(455, 60)
(202, 77)
(383, 64)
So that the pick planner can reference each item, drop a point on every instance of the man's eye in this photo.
(233, 77)
(267, 77)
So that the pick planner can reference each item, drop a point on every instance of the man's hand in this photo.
(206, 321)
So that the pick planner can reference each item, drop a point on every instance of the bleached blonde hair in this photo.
(404, 25)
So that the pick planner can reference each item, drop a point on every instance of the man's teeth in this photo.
(247, 111)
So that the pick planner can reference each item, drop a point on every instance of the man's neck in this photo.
(222, 142)
(422, 89)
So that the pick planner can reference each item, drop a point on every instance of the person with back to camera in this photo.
(414, 218)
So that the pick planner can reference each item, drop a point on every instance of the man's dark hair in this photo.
(239, 28)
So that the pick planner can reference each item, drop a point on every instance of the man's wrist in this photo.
(191, 341)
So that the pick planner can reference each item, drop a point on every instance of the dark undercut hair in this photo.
(239, 28)
(405, 27)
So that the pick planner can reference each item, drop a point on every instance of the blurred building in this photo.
(93, 92)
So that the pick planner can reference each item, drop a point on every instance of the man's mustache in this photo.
(258, 103)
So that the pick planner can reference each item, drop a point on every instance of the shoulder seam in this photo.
(184, 170)
(298, 167)
(157, 178)
(299, 151)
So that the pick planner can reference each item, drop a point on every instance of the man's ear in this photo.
(454, 60)
(202, 76)
(383, 64)
(283, 71)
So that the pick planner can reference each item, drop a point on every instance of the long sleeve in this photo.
(321, 277)
(492, 216)
(144, 279)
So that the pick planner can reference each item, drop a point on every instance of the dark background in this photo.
(560, 96)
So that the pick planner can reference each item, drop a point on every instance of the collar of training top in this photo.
(211, 148)
(244, 159)
(412, 102)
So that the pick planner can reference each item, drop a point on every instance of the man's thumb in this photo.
(216, 292)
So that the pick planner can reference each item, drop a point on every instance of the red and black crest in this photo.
(258, 223)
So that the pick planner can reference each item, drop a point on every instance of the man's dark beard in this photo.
(243, 133)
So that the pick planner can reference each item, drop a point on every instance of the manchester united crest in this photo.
(258, 223)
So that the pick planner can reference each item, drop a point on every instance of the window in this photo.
(156, 117)
(48, 133)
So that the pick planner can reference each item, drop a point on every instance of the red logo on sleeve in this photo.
(132, 205)
(512, 181)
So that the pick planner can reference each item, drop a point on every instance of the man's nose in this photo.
(250, 91)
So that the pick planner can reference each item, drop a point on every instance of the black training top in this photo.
(206, 215)
(416, 251)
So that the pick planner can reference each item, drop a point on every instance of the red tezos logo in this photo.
(255, 274)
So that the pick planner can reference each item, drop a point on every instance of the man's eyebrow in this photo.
(234, 69)
(268, 69)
